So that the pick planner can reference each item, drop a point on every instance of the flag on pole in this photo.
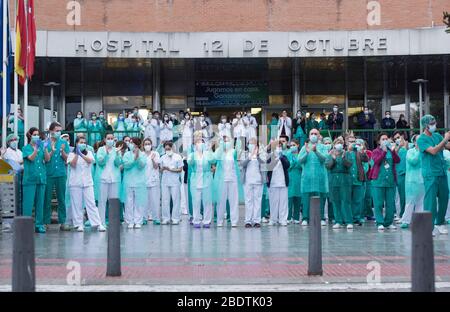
(9, 60)
(25, 40)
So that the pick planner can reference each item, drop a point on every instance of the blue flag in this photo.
(10, 63)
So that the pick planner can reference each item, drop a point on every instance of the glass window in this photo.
(435, 88)
(355, 89)
(374, 76)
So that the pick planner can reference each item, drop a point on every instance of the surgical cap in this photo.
(327, 140)
(426, 120)
(11, 137)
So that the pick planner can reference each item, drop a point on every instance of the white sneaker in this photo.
(283, 223)
(296, 222)
(175, 222)
(336, 226)
(442, 229)
(380, 228)
(289, 221)
(137, 226)
(265, 220)
(80, 228)
(304, 223)
(219, 224)
(349, 226)
(130, 226)
(101, 228)
(396, 219)
(323, 223)
(272, 223)
(165, 222)
(234, 225)
(399, 221)
(392, 227)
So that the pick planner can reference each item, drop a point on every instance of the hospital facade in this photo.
(223, 56)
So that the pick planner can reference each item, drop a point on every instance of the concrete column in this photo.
(426, 95)
(346, 96)
(365, 82)
(62, 109)
(82, 88)
(295, 85)
(156, 85)
(407, 97)
(385, 102)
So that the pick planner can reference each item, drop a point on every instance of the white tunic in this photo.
(81, 174)
(151, 173)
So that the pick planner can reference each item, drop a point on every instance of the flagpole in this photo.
(16, 85)
(25, 87)
(5, 74)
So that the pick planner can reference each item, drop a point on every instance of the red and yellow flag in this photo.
(25, 40)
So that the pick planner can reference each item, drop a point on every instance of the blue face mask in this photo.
(387, 144)
(13, 144)
(34, 138)
(110, 143)
(82, 147)
(432, 128)
(131, 146)
(294, 149)
(313, 138)
(339, 147)
(328, 147)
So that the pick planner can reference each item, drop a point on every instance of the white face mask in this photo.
(147, 148)
(335, 109)
(388, 116)
(169, 153)
(224, 120)
(432, 128)
(313, 138)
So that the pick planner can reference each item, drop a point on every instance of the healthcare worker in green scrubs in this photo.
(383, 176)
(314, 181)
(80, 125)
(295, 176)
(95, 127)
(357, 171)
(58, 149)
(340, 184)
(401, 146)
(35, 156)
(431, 145)
(328, 143)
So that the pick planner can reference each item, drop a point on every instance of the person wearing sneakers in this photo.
(431, 145)
(401, 147)
(171, 166)
(153, 207)
(35, 155)
(252, 179)
(226, 182)
(134, 184)
(414, 187)
(200, 180)
(107, 173)
(295, 176)
(339, 165)
(383, 176)
(314, 174)
(81, 185)
(278, 183)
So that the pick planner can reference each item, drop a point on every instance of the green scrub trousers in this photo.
(33, 195)
(306, 205)
(323, 200)
(357, 201)
(368, 203)
(60, 184)
(436, 187)
(340, 197)
(401, 192)
(384, 196)
(294, 203)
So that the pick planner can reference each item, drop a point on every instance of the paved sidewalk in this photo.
(273, 257)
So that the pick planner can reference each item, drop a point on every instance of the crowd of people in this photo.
(162, 168)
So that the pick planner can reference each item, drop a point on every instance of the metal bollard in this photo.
(18, 194)
(315, 238)
(113, 267)
(422, 259)
(23, 262)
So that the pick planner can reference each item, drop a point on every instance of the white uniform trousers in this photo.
(278, 199)
(167, 193)
(107, 191)
(200, 196)
(413, 204)
(133, 210)
(80, 196)
(183, 195)
(253, 200)
(153, 207)
(230, 192)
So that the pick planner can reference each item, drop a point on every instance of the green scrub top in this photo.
(323, 125)
(314, 173)
(432, 165)
(401, 166)
(354, 168)
(56, 167)
(34, 171)
(295, 175)
(386, 175)
(339, 174)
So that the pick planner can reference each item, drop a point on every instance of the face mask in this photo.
(251, 148)
(328, 147)
(110, 143)
(121, 118)
(224, 120)
(169, 153)
(366, 112)
(339, 147)
(82, 147)
(131, 146)
(294, 149)
(79, 116)
(202, 118)
(299, 115)
(149, 116)
(238, 116)
(386, 143)
(313, 138)
(94, 117)
(398, 141)
(156, 116)
(388, 116)
(432, 128)
(249, 114)
(166, 118)
(411, 145)
(335, 109)
(186, 117)
(135, 112)
(56, 134)
(358, 148)
(102, 116)
(173, 116)
(284, 146)
(147, 148)
(35, 138)
(13, 145)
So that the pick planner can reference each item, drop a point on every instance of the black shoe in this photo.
(248, 225)
(257, 225)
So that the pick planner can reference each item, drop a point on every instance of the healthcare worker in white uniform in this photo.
(152, 209)
(187, 133)
(250, 126)
(81, 186)
(224, 127)
(13, 153)
(149, 129)
(166, 127)
(171, 166)
(134, 187)
(109, 160)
